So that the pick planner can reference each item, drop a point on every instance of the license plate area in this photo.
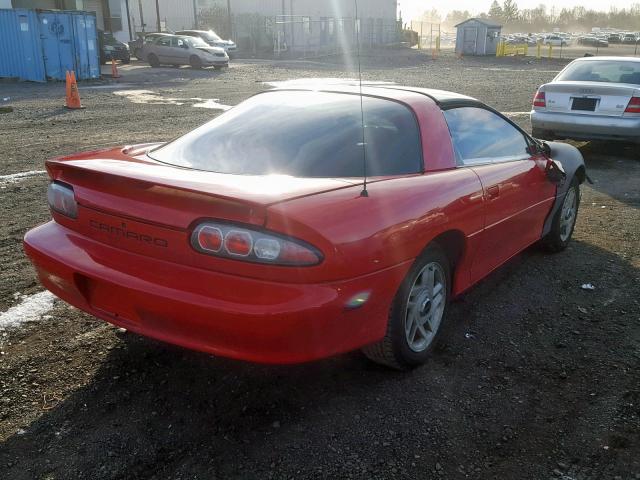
(584, 104)
(115, 301)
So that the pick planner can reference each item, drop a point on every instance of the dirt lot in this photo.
(535, 378)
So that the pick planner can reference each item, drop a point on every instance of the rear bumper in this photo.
(222, 314)
(586, 127)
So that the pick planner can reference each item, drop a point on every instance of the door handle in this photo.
(493, 191)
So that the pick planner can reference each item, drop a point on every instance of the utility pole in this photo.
(230, 23)
(141, 15)
(126, 4)
(195, 14)
(158, 16)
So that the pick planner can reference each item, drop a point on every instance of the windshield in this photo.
(302, 134)
(602, 71)
(195, 42)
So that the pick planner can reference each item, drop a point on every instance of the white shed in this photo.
(477, 36)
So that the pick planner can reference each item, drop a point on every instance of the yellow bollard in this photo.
(539, 54)
(550, 50)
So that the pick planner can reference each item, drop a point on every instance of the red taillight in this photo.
(210, 238)
(62, 199)
(634, 106)
(237, 242)
(540, 99)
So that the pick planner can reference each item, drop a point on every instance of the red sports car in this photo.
(302, 223)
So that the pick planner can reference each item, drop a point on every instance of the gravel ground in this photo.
(534, 378)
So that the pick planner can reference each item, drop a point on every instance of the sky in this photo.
(414, 8)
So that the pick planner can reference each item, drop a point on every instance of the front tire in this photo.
(564, 220)
(153, 61)
(417, 313)
(195, 62)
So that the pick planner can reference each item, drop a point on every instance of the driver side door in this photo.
(518, 196)
(179, 51)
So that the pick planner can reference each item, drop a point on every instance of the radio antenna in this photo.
(364, 192)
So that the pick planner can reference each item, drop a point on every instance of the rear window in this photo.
(302, 134)
(602, 71)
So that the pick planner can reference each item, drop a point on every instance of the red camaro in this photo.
(255, 236)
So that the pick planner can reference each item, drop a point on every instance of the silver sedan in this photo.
(593, 98)
(183, 50)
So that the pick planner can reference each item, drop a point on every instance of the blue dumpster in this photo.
(42, 44)
(20, 47)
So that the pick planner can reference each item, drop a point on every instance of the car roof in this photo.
(196, 31)
(443, 98)
(611, 58)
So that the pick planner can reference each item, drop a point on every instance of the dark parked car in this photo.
(614, 38)
(593, 41)
(629, 39)
(112, 49)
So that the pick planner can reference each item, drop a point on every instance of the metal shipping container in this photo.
(37, 45)
(20, 47)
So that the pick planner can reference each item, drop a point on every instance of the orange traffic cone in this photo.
(73, 96)
(68, 86)
(114, 69)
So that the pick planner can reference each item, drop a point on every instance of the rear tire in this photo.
(417, 313)
(564, 220)
(195, 62)
(153, 60)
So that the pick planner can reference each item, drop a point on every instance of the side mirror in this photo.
(555, 173)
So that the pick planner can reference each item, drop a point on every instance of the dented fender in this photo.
(573, 164)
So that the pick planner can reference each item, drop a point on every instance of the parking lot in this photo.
(536, 377)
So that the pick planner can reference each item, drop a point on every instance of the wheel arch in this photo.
(573, 165)
(453, 243)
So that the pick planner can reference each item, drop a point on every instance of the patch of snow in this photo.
(15, 177)
(30, 309)
(212, 103)
(147, 96)
(516, 114)
(154, 98)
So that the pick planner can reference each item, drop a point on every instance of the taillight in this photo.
(540, 100)
(634, 106)
(62, 200)
(241, 243)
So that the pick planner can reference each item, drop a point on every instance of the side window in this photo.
(481, 136)
(164, 42)
(176, 42)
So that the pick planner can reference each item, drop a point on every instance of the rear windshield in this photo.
(302, 134)
(602, 71)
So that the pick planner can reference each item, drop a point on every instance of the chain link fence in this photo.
(296, 36)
